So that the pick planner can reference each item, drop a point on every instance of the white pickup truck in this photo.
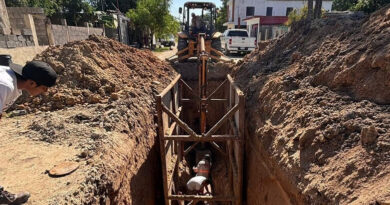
(237, 41)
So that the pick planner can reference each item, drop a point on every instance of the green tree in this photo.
(50, 7)
(74, 11)
(343, 5)
(297, 15)
(172, 27)
(153, 16)
(369, 6)
(222, 17)
(122, 5)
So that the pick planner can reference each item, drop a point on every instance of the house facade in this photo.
(238, 10)
(264, 19)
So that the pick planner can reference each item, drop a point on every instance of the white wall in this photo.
(279, 8)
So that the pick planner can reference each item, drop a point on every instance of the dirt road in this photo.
(165, 54)
(24, 163)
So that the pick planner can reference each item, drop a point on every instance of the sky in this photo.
(179, 3)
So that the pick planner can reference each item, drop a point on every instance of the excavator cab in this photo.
(198, 19)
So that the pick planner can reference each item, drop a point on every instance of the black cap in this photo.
(38, 71)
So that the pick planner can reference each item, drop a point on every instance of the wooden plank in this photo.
(175, 110)
(241, 145)
(185, 57)
(216, 90)
(222, 121)
(200, 138)
(185, 85)
(234, 127)
(173, 125)
(217, 147)
(162, 148)
(212, 100)
(191, 91)
(233, 84)
(182, 124)
(182, 51)
(171, 181)
(188, 150)
(169, 87)
(200, 197)
(217, 51)
(167, 146)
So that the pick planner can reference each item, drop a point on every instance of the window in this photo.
(238, 33)
(269, 11)
(250, 11)
(289, 9)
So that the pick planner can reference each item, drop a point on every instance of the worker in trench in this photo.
(200, 183)
(35, 78)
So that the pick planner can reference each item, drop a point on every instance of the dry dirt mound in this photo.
(319, 100)
(103, 108)
(96, 70)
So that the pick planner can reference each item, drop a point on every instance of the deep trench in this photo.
(263, 181)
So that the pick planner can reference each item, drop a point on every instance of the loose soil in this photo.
(318, 119)
(101, 115)
(318, 113)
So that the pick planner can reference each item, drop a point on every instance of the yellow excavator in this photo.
(189, 37)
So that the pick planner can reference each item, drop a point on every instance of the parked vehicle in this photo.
(237, 41)
(168, 42)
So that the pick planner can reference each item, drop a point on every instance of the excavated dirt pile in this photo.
(97, 71)
(103, 107)
(319, 120)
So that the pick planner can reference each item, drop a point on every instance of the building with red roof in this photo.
(264, 19)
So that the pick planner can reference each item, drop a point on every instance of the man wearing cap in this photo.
(35, 78)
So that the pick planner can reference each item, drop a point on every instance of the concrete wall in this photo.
(13, 41)
(63, 34)
(267, 32)
(25, 22)
(279, 8)
(16, 16)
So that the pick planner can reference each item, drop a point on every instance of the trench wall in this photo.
(264, 181)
